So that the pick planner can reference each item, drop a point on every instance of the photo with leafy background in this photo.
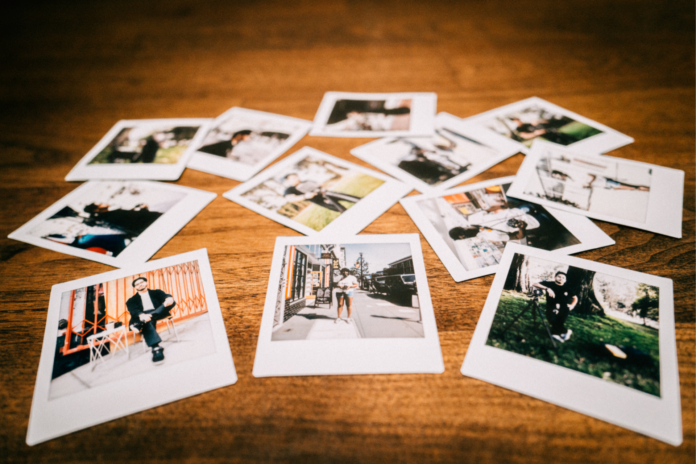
(615, 324)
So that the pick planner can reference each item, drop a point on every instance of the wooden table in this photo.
(68, 73)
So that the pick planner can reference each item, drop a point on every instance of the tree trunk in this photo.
(518, 277)
(581, 283)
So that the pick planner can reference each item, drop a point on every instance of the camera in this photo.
(537, 292)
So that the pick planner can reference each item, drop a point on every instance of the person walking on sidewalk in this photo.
(346, 290)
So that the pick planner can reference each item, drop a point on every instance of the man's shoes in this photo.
(559, 338)
(158, 355)
(349, 320)
(567, 335)
(338, 319)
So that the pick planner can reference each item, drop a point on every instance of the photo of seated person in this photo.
(560, 300)
(226, 147)
(147, 307)
(297, 190)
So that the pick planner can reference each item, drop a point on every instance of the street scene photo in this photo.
(147, 142)
(130, 326)
(108, 217)
(347, 291)
(243, 138)
(596, 185)
(313, 192)
(477, 224)
(594, 323)
(392, 114)
(535, 122)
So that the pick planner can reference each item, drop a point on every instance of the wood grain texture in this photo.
(70, 71)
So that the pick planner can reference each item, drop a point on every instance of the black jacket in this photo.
(135, 303)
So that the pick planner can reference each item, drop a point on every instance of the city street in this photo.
(374, 316)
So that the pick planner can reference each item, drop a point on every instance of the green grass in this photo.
(585, 351)
(579, 130)
(359, 185)
(169, 155)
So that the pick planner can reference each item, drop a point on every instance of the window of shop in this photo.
(298, 287)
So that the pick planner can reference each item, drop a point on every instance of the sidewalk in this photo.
(373, 317)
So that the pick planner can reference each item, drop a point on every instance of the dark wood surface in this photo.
(68, 72)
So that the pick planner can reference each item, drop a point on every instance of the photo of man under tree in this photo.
(614, 322)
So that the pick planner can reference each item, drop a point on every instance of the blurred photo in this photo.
(147, 143)
(477, 225)
(370, 115)
(108, 217)
(603, 186)
(313, 192)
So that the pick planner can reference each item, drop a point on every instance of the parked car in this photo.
(400, 285)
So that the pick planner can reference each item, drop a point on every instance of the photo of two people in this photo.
(108, 217)
(594, 323)
(313, 192)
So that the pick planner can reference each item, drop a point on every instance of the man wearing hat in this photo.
(147, 307)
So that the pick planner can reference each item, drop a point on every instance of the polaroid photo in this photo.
(630, 193)
(347, 114)
(154, 149)
(129, 340)
(469, 227)
(348, 305)
(457, 152)
(119, 223)
(311, 191)
(590, 337)
(536, 119)
(241, 142)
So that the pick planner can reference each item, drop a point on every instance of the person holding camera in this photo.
(346, 290)
(560, 300)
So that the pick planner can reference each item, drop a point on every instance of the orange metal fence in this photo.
(182, 281)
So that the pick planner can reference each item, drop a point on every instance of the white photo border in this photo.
(609, 139)
(223, 167)
(590, 236)
(170, 383)
(138, 171)
(351, 221)
(423, 108)
(664, 215)
(361, 356)
(505, 149)
(145, 245)
(626, 407)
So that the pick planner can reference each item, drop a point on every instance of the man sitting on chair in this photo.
(147, 307)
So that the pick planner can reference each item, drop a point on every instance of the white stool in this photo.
(97, 341)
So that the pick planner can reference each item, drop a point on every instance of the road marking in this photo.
(407, 311)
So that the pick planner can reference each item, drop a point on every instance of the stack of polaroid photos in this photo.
(587, 336)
